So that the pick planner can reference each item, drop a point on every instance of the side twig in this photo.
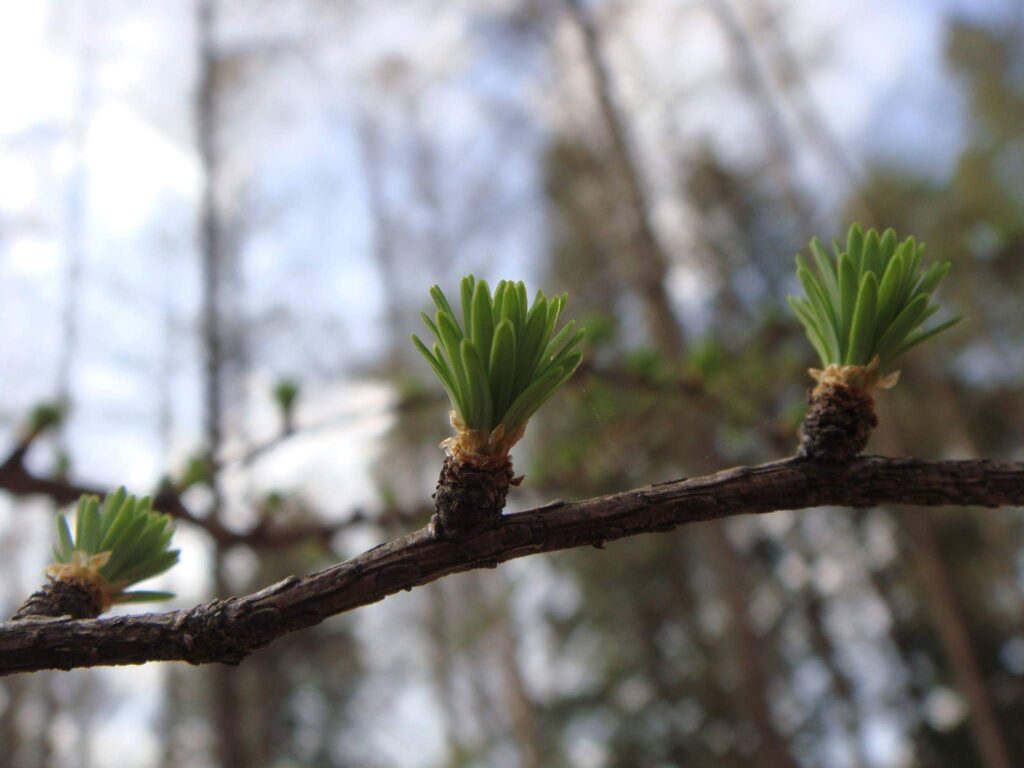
(17, 480)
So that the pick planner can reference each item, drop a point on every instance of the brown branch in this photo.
(18, 480)
(227, 630)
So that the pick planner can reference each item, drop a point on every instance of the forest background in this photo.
(202, 200)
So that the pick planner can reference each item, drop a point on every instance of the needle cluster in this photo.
(499, 358)
(115, 546)
(868, 300)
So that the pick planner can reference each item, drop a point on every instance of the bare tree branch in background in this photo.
(666, 335)
(731, 577)
(789, 71)
(782, 157)
(956, 643)
(230, 742)
(954, 635)
(520, 705)
(651, 261)
(949, 622)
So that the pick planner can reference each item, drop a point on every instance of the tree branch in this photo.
(18, 480)
(227, 630)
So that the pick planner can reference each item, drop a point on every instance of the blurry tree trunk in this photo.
(651, 275)
(790, 74)
(814, 605)
(517, 698)
(74, 210)
(950, 623)
(948, 618)
(382, 235)
(746, 649)
(650, 261)
(842, 686)
(11, 746)
(171, 713)
(954, 635)
(229, 736)
(782, 151)
(55, 702)
(51, 707)
(435, 622)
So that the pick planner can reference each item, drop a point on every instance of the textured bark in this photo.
(61, 598)
(469, 499)
(838, 424)
(227, 630)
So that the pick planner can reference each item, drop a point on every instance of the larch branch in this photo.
(227, 630)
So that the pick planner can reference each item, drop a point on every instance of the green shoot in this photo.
(286, 393)
(869, 300)
(123, 542)
(504, 359)
(46, 416)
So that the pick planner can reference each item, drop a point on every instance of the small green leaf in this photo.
(499, 301)
(111, 506)
(863, 327)
(533, 397)
(913, 341)
(888, 305)
(932, 279)
(442, 302)
(887, 245)
(806, 317)
(477, 374)
(905, 322)
(152, 567)
(451, 338)
(483, 321)
(89, 540)
(503, 367)
(441, 371)
(123, 519)
(855, 248)
(823, 310)
(431, 325)
(872, 254)
(848, 298)
(122, 548)
(524, 308)
(827, 272)
(466, 295)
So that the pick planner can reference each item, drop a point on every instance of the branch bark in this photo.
(227, 630)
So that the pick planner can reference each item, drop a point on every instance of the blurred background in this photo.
(204, 204)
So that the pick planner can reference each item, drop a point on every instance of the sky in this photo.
(126, 189)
